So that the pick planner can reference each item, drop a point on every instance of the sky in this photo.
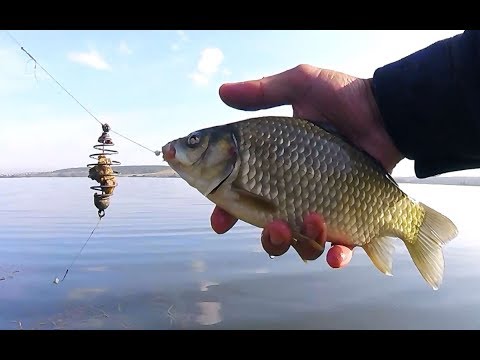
(155, 86)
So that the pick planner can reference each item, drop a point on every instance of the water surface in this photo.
(155, 263)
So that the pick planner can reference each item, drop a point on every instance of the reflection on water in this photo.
(198, 266)
(84, 293)
(204, 285)
(209, 313)
(155, 263)
(261, 271)
(96, 268)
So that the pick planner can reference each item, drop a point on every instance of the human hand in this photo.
(325, 96)
(277, 238)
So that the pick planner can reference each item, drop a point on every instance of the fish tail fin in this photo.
(435, 232)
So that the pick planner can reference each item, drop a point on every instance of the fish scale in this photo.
(325, 163)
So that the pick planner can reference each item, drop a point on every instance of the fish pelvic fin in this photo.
(297, 237)
(435, 232)
(306, 239)
(380, 251)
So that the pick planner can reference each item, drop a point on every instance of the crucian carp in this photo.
(281, 168)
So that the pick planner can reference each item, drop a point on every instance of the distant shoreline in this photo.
(163, 171)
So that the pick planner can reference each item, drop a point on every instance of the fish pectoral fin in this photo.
(254, 200)
(380, 251)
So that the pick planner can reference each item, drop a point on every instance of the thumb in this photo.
(275, 90)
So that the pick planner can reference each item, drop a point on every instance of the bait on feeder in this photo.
(101, 171)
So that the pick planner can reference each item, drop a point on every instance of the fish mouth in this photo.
(169, 152)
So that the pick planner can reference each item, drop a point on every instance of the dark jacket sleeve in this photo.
(430, 104)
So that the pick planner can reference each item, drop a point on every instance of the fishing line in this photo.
(56, 281)
(156, 152)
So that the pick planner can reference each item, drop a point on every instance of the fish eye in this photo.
(193, 139)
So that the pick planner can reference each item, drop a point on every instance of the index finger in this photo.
(271, 91)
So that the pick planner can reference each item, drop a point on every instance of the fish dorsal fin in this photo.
(254, 200)
(380, 251)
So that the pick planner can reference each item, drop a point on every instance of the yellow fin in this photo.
(426, 252)
(380, 251)
(254, 200)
